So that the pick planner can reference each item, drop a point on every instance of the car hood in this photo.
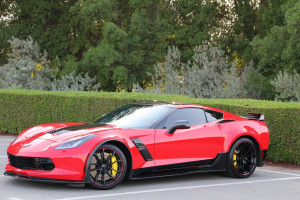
(41, 138)
(62, 131)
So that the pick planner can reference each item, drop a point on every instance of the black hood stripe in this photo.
(76, 128)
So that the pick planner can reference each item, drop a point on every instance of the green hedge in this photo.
(20, 109)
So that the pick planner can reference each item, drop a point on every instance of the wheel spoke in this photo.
(103, 177)
(250, 149)
(103, 156)
(243, 168)
(97, 175)
(108, 159)
(96, 157)
(111, 176)
(241, 164)
(244, 148)
(114, 169)
(251, 155)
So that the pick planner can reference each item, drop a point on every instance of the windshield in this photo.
(135, 116)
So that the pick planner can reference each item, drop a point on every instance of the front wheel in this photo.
(242, 158)
(107, 167)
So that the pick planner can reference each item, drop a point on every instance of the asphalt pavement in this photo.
(266, 183)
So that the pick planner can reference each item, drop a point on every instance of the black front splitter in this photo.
(44, 180)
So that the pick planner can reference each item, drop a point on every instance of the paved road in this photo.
(266, 183)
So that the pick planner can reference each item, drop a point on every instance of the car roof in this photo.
(177, 105)
(173, 104)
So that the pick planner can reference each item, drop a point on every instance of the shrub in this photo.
(287, 86)
(21, 109)
(27, 68)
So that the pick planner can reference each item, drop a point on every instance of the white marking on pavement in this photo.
(8, 139)
(3, 156)
(14, 198)
(178, 188)
(264, 170)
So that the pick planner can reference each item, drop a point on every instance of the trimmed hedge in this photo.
(20, 109)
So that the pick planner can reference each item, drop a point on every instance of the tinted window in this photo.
(213, 115)
(135, 116)
(195, 116)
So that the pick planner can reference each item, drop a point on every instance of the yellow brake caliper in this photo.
(234, 158)
(114, 166)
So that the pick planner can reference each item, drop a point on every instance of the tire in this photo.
(242, 159)
(107, 168)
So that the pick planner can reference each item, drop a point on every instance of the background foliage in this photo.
(21, 109)
(199, 48)
(120, 41)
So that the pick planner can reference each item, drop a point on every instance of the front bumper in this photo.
(69, 165)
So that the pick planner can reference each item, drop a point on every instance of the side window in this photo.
(195, 116)
(213, 115)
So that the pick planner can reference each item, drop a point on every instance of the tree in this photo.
(280, 48)
(207, 75)
(47, 22)
(105, 61)
(193, 22)
(243, 20)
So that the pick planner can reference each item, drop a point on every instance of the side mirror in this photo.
(181, 124)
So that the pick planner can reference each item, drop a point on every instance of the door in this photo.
(198, 145)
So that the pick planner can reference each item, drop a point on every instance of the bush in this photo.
(27, 68)
(21, 109)
(287, 86)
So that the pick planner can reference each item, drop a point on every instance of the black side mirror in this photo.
(181, 124)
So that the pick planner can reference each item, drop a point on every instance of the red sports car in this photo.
(140, 140)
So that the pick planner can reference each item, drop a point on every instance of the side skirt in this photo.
(212, 165)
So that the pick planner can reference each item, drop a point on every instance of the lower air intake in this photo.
(31, 163)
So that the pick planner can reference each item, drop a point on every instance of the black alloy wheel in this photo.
(107, 167)
(242, 159)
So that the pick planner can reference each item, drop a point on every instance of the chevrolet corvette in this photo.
(140, 140)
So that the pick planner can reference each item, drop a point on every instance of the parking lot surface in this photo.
(266, 183)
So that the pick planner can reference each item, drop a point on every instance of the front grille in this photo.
(31, 163)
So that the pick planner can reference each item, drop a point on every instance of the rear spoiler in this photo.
(255, 116)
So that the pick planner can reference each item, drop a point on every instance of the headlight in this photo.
(75, 143)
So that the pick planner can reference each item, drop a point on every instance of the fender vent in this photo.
(142, 149)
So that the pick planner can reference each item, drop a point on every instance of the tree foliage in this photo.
(280, 48)
(120, 41)
(117, 41)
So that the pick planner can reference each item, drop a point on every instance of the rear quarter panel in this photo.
(253, 128)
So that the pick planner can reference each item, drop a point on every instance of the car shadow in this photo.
(19, 182)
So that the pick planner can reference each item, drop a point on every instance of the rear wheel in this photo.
(242, 158)
(107, 167)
